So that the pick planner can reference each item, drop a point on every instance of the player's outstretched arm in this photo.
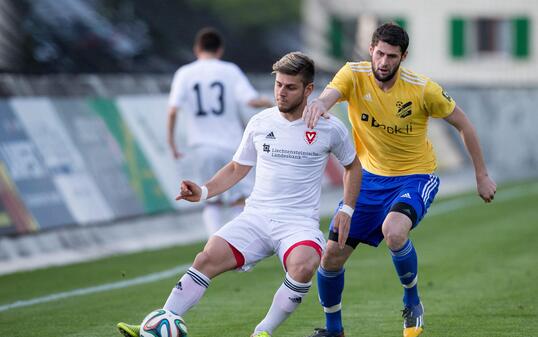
(352, 184)
(320, 107)
(485, 185)
(224, 179)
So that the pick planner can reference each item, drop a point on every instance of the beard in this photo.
(290, 107)
(387, 77)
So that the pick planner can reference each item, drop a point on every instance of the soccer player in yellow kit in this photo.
(389, 107)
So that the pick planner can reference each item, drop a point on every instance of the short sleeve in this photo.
(343, 82)
(177, 91)
(243, 90)
(246, 153)
(341, 144)
(437, 102)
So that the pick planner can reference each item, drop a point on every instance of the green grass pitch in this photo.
(478, 276)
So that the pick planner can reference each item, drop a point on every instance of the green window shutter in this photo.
(336, 36)
(458, 37)
(521, 31)
(401, 22)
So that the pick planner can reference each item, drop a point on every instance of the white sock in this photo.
(287, 298)
(212, 218)
(187, 292)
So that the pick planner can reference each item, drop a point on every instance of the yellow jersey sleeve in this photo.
(437, 102)
(343, 82)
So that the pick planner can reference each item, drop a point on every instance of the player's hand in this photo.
(486, 188)
(313, 111)
(342, 223)
(189, 191)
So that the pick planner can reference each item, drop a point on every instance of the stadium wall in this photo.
(506, 122)
(67, 162)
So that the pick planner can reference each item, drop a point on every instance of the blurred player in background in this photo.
(281, 215)
(389, 107)
(210, 93)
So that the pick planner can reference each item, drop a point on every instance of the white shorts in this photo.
(257, 236)
(208, 160)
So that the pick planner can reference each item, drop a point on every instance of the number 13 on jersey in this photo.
(217, 107)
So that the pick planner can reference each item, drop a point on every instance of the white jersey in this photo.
(209, 92)
(290, 160)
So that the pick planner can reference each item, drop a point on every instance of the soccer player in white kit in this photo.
(281, 215)
(210, 93)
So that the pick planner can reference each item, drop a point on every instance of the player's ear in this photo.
(371, 50)
(309, 89)
(404, 56)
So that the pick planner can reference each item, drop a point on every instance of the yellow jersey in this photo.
(390, 127)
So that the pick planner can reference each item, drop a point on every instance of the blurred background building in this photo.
(84, 83)
(482, 42)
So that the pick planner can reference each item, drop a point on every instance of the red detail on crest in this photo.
(310, 136)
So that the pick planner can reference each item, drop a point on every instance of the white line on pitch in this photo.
(97, 289)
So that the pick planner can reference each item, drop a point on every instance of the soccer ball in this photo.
(163, 323)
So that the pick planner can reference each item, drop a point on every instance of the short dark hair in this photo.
(392, 34)
(296, 63)
(209, 39)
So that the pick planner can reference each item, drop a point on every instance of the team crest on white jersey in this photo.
(310, 136)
